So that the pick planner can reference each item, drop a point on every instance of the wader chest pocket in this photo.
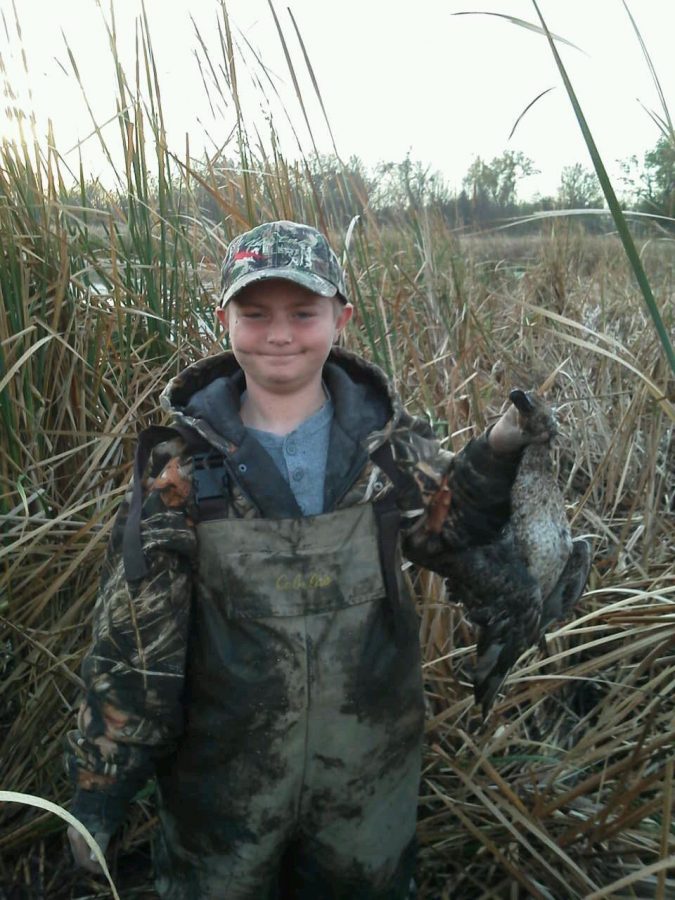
(260, 568)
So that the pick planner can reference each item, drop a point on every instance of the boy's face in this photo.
(281, 333)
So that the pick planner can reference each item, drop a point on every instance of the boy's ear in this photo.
(344, 316)
(223, 317)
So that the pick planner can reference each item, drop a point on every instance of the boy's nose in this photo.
(279, 332)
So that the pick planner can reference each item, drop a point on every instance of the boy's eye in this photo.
(305, 314)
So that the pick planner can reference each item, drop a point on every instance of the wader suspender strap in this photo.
(135, 567)
(389, 522)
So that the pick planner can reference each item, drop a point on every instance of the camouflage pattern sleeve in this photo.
(133, 672)
(453, 500)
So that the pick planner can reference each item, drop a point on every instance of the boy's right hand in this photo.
(82, 853)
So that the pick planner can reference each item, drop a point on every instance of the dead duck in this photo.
(533, 575)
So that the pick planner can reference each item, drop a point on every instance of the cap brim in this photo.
(313, 283)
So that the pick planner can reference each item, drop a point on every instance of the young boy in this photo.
(254, 647)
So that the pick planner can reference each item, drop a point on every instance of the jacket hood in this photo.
(206, 398)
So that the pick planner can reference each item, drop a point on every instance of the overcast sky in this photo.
(395, 78)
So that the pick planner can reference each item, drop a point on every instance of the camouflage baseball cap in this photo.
(285, 250)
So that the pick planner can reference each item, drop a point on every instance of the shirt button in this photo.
(291, 448)
(298, 475)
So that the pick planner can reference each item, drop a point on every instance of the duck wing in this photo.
(502, 639)
(503, 601)
(570, 586)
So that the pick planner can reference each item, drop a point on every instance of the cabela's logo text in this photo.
(312, 580)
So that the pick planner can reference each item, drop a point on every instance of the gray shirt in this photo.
(301, 457)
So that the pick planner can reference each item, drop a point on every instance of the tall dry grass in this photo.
(566, 791)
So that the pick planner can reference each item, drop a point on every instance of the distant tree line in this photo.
(652, 181)
(488, 195)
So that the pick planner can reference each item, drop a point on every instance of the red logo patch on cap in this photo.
(248, 254)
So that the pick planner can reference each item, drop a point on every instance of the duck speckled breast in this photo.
(538, 518)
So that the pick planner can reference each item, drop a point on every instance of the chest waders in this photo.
(297, 775)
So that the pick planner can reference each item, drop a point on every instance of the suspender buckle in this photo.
(209, 477)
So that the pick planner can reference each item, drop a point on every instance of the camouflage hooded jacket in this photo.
(132, 712)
